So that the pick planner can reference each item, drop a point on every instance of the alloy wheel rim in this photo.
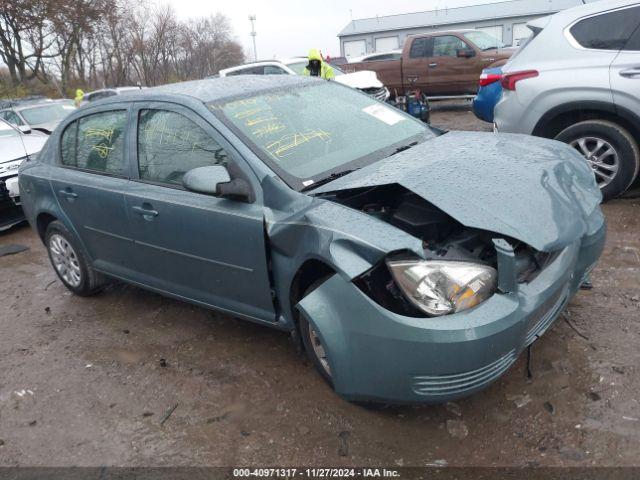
(318, 350)
(601, 157)
(65, 260)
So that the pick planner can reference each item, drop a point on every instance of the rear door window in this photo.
(96, 143)
(607, 31)
(420, 48)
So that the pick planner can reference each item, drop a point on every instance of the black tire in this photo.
(305, 333)
(624, 145)
(90, 281)
(306, 330)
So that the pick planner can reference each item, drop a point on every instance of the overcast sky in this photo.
(291, 27)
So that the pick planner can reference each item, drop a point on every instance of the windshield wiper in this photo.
(404, 147)
(328, 179)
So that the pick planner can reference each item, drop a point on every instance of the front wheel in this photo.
(610, 150)
(315, 349)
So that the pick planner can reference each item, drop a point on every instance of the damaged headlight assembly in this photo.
(443, 287)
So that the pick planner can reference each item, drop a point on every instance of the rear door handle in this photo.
(146, 211)
(631, 73)
(433, 65)
(69, 194)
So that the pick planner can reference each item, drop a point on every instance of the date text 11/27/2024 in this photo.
(316, 472)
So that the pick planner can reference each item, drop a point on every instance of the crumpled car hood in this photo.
(534, 190)
(362, 79)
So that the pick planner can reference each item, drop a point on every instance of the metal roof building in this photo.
(504, 20)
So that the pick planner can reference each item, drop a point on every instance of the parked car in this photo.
(439, 63)
(414, 265)
(107, 92)
(577, 79)
(489, 94)
(366, 81)
(378, 56)
(15, 147)
(43, 116)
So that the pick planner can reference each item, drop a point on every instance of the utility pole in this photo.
(252, 19)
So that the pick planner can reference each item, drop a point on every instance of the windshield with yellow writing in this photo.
(306, 131)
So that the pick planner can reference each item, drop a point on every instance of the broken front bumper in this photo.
(375, 354)
(10, 209)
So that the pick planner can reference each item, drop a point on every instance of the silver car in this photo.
(577, 80)
(44, 115)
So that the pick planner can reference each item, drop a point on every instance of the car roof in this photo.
(574, 13)
(214, 89)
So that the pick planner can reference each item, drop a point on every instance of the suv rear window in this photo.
(607, 31)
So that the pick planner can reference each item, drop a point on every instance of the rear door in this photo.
(414, 66)
(206, 249)
(89, 185)
(625, 69)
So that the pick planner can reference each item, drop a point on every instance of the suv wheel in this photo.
(610, 151)
(69, 262)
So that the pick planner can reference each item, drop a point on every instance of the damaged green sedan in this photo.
(414, 265)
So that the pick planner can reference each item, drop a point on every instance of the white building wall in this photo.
(506, 24)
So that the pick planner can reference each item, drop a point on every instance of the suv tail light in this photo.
(489, 78)
(509, 80)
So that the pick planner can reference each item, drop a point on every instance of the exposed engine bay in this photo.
(443, 238)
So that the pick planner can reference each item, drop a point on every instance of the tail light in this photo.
(489, 78)
(509, 80)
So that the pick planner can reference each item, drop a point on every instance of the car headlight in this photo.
(439, 288)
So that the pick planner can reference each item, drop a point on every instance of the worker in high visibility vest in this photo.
(318, 67)
(79, 97)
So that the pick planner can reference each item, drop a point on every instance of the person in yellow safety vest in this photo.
(318, 67)
(79, 97)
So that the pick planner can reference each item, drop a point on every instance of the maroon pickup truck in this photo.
(439, 63)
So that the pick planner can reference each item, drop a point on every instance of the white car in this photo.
(378, 56)
(106, 93)
(43, 115)
(365, 80)
(15, 147)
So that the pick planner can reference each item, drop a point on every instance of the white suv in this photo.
(366, 81)
(577, 80)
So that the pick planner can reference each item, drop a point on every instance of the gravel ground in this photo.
(90, 381)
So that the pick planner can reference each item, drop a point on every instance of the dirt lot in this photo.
(87, 381)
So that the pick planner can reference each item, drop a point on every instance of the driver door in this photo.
(195, 246)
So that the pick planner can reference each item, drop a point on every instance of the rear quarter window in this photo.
(607, 31)
(95, 143)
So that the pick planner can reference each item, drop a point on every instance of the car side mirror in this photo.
(206, 179)
(465, 53)
(215, 180)
(25, 128)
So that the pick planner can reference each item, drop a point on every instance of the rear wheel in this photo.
(610, 151)
(69, 262)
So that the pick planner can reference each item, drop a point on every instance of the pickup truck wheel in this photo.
(610, 151)
(69, 262)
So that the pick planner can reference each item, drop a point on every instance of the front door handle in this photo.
(631, 73)
(146, 211)
(433, 65)
(69, 194)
